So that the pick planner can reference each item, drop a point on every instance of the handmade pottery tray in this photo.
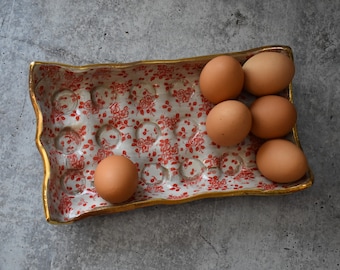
(153, 113)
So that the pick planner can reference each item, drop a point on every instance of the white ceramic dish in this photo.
(151, 112)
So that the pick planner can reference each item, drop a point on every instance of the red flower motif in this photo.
(212, 161)
(90, 175)
(57, 116)
(167, 122)
(92, 193)
(168, 152)
(48, 131)
(175, 187)
(147, 103)
(89, 145)
(191, 67)
(65, 204)
(123, 74)
(82, 131)
(196, 143)
(143, 144)
(183, 95)
(101, 154)
(87, 108)
(74, 162)
(140, 68)
(117, 112)
(125, 136)
(245, 174)
(163, 72)
(82, 202)
(102, 74)
(265, 186)
(121, 88)
(75, 115)
(179, 197)
(204, 107)
(168, 86)
(154, 188)
(41, 90)
(119, 115)
(72, 80)
(53, 188)
(192, 181)
(167, 106)
(50, 71)
(230, 171)
(237, 187)
(216, 184)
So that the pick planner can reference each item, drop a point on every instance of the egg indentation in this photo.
(64, 101)
(108, 136)
(73, 182)
(154, 173)
(191, 169)
(68, 141)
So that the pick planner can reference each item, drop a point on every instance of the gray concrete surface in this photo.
(298, 231)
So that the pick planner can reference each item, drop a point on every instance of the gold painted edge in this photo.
(173, 61)
(41, 149)
(135, 205)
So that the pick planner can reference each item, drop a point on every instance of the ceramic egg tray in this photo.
(151, 112)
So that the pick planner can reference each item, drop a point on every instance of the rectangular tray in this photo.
(153, 113)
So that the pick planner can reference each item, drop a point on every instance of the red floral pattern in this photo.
(196, 143)
(267, 186)
(183, 95)
(65, 204)
(72, 80)
(75, 162)
(146, 104)
(101, 154)
(178, 197)
(121, 88)
(245, 174)
(143, 145)
(217, 184)
(169, 153)
(168, 122)
(154, 189)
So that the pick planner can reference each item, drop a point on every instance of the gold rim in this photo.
(41, 149)
(135, 205)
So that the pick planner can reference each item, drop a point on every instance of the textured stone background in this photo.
(298, 231)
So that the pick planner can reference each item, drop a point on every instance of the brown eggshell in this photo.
(268, 73)
(281, 161)
(228, 123)
(116, 179)
(273, 116)
(221, 79)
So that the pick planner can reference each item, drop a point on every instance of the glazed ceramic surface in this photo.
(151, 112)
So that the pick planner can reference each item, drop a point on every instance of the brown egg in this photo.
(228, 123)
(268, 73)
(116, 179)
(221, 79)
(281, 161)
(273, 116)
